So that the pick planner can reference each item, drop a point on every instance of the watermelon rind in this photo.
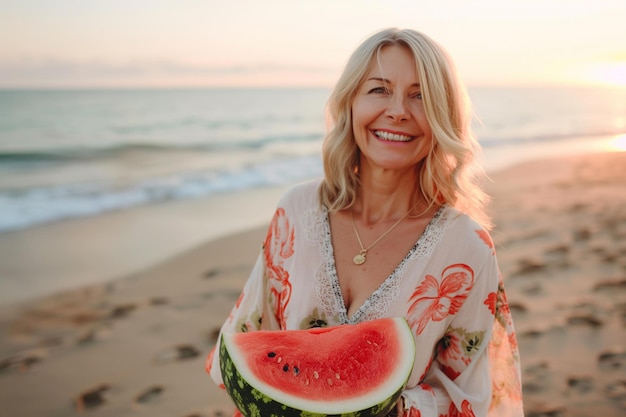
(255, 399)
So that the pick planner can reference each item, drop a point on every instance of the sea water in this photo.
(68, 154)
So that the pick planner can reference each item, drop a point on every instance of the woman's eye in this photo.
(379, 90)
(417, 96)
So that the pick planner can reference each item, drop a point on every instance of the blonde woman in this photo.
(396, 228)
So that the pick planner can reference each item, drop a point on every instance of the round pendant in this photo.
(359, 259)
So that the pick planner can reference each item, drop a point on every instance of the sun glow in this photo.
(608, 73)
(619, 143)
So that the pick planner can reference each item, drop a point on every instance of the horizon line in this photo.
(471, 85)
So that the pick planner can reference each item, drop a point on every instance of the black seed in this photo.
(296, 370)
(286, 368)
(271, 354)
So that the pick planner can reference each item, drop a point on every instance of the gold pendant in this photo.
(359, 259)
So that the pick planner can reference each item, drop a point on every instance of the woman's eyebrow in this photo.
(386, 81)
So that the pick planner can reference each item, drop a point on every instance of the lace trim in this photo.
(327, 287)
(327, 291)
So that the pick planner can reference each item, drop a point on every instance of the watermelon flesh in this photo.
(346, 370)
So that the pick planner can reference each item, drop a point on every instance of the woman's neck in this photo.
(387, 195)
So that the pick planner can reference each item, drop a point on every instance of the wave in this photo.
(494, 142)
(65, 154)
(27, 207)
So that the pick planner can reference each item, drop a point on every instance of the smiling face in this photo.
(388, 118)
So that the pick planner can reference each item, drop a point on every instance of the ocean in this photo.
(75, 153)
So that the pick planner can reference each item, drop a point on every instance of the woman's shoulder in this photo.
(463, 229)
(301, 195)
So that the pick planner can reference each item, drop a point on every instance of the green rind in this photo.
(253, 403)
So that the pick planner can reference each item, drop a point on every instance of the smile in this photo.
(393, 137)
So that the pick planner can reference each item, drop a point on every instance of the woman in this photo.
(396, 228)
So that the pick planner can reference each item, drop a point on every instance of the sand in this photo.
(135, 346)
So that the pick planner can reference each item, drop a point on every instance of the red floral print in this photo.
(434, 301)
(503, 312)
(413, 412)
(236, 307)
(484, 235)
(277, 247)
(450, 372)
(466, 410)
(449, 347)
(491, 302)
(238, 303)
(503, 354)
(512, 341)
(209, 361)
(456, 348)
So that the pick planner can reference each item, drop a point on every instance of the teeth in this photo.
(392, 136)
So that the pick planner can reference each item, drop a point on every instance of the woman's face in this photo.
(388, 119)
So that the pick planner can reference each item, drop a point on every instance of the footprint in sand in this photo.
(545, 410)
(212, 335)
(177, 353)
(611, 285)
(533, 288)
(91, 398)
(159, 301)
(587, 314)
(93, 335)
(211, 273)
(528, 266)
(150, 394)
(612, 359)
(536, 377)
(122, 311)
(616, 390)
(24, 360)
(580, 384)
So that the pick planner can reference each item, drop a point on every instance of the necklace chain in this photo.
(361, 257)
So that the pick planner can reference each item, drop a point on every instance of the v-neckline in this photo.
(387, 282)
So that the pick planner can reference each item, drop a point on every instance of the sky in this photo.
(207, 43)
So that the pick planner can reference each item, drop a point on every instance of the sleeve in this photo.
(266, 293)
(475, 366)
(249, 313)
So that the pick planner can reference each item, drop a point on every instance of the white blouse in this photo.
(448, 287)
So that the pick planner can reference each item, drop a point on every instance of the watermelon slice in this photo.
(348, 370)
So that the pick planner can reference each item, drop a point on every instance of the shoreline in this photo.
(58, 256)
(136, 346)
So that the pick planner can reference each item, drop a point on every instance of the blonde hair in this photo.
(449, 174)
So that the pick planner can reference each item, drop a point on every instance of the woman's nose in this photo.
(397, 109)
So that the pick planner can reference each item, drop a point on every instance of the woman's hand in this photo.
(399, 410)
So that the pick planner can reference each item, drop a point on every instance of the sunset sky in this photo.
(169, 43)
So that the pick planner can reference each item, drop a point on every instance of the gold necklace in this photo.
(361, 257)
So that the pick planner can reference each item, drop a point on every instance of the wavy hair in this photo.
(450, 173)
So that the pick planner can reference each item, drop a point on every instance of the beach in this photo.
(135, 345)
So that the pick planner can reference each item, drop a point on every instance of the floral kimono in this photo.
(448, 288)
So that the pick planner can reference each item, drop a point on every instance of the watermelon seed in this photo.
(271, 354)
(306, 381)
(337, 376)
(296, 370)
(329, 381)
(315, 375)
(286, 368)
(280, 359)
